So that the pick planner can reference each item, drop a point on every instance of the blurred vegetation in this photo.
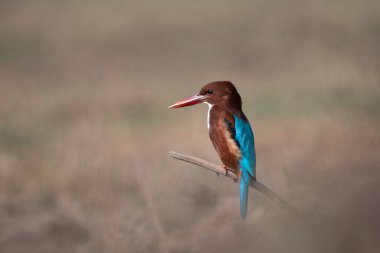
(85, 130)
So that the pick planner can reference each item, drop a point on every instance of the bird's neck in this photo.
(216, 112)
(229, 108)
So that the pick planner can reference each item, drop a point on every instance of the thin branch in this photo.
(221, 171)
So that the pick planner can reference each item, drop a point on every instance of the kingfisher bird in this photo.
(229, 131)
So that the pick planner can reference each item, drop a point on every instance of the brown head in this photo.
(219, 93)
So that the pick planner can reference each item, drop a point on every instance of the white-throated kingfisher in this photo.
(229, 131)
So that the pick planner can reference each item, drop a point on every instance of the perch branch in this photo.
(221, 171)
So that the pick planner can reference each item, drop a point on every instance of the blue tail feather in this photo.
(245, 181)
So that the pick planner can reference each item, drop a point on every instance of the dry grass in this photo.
(84, 129)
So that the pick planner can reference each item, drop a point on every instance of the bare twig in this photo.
(221, 171)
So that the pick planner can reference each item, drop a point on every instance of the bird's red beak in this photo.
(193, 100)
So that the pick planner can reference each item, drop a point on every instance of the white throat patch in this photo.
(208, 114)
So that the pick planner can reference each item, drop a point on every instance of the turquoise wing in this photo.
(244, 137)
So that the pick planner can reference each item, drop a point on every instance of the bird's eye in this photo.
(209, 92)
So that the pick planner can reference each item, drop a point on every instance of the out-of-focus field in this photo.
(84, 129)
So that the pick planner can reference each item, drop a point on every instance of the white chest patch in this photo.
(208, 114)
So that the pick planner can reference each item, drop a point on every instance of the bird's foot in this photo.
(225, 169)
(238, 177)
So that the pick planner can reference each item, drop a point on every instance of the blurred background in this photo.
(85, 129)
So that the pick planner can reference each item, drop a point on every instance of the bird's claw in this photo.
(238, 178)
(225, 169)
